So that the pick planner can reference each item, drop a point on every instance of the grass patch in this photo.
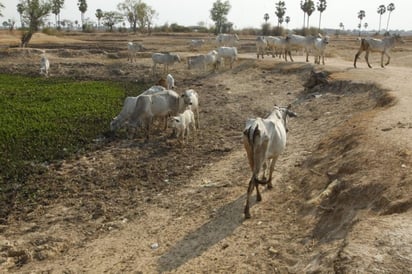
(43, 120)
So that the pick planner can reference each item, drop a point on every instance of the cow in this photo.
(203, 61)
(224, 39)
(196, 43)
(132, 49)
(165, 59)
(299, 42)
(170, 82)
(264, 140)
(261, 45)
(128, 108)
(377, 45)
(191, 98)
(160, 104)
(229, 53)
(44, 65)
(319, 47)
(182, 124)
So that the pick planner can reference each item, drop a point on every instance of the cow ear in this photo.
(289, 106)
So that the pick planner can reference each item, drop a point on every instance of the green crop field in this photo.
(42, 120)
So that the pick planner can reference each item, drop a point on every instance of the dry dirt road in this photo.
(341, 200)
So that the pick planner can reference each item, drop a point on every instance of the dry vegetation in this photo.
(341, 200)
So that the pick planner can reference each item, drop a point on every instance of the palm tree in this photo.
(287, 20)
(321, 6)
(99, 15)
(341, 25)
(266, 17)
(303, 7)
(20, 10)
(381, 10)
(390, 8)
(365, 26)
(82, 8)
(361, 15)
(310, 9)
(280, 11)
(57, 5)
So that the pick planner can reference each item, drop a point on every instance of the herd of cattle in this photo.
(263, 139)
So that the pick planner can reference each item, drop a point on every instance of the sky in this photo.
(247, 13)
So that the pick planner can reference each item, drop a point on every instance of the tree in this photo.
(218, 14)
(56, 6)
(34, 14)
(1, 8)
(310, 9)
(20, 10)
(9, 24)
(341, 25)
(321, 6)
(280, 11)
(138, 13)
(303, 7)
(381, 10)
(82, 4)
(99, 15)
(390, 8)
(111, 18)
(287, 20)
(361, 15)
(365, 25)
(266, 17)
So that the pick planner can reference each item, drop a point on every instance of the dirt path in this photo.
(195, 223)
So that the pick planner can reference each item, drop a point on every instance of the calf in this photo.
(264, 140)
(170, 81)
(191, 98)
(44, 65)
(182, 124)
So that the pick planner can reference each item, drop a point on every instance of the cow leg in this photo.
(271, 168)
(307, 55)
(367, 59)
(249, 192)
(356, 57)
(389, 58)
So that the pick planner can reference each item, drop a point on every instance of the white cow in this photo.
(196, 43)
(224, 39)
(44, 65)
(165, 59)
(264, 140)
(161, 104)
(132, 49)
(377, 45)
(261, 45)
(182, 123)
(128, 108)
(203, 61)
(299, 42)
(191, 98)
(319, 47)
(276, 45)
(170, 82)
(229, 53)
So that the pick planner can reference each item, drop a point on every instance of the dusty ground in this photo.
(341, 201)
